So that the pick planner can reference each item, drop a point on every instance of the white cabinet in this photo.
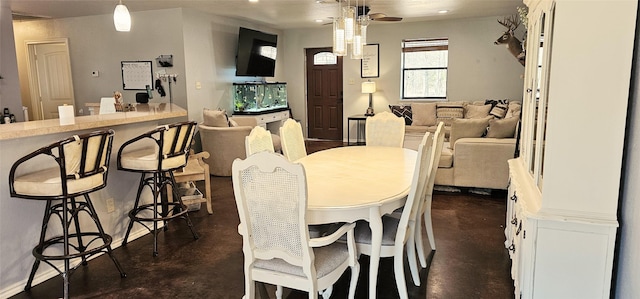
(270, 121)
(555, 256)
(561, 218)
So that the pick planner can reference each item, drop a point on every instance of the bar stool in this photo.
(82, 163)
(156, 154)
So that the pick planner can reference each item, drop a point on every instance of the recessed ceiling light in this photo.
(319, 20)
(443, 11)
(253, 0)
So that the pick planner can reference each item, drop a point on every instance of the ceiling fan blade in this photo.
(377, 15)
(389, 19)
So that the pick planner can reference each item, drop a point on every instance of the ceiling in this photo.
(279, 14)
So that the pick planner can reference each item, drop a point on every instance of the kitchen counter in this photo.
(143, 112)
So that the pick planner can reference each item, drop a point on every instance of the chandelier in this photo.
(350, 29)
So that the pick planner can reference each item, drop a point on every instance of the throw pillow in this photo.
(402, 111)
(447, 112)
(502, 128)
(467, 128)
(215, 118)
(477, 111)
(514, 110)
(499, 110)
(423, 114)
(496, 102)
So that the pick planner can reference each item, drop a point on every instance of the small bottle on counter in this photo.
(6, 116)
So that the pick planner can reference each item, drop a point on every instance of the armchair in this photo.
(225, 144)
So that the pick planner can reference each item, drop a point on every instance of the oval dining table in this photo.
(347, 184)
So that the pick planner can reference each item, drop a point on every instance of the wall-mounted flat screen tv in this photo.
(256, 55)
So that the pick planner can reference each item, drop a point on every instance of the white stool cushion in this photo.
(47, 182)
(146, 159)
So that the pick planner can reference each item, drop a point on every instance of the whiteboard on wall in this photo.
(136, 75)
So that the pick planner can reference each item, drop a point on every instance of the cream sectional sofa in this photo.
(480, 139)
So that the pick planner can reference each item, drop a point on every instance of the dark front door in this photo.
(324, 94)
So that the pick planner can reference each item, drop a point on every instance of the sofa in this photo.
(224, 138)
(480, 138)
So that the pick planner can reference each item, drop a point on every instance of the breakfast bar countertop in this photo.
(143, 112)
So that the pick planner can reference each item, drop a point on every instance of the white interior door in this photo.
(51, 77)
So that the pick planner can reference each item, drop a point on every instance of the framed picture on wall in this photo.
(370, 59)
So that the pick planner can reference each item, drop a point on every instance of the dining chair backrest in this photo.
(417, 189)
(271, 195)
(292, 140)
(258, 140)
(436, 149)
(384, 129)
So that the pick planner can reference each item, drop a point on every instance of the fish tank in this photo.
(259, 97)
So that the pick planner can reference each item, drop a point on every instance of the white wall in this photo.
(9, 90)
(94, 45)
(478, 69)
(210, 44)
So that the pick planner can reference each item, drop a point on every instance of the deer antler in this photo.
(511, 22)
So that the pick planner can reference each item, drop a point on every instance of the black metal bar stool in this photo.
(81, 166)
(156, 154)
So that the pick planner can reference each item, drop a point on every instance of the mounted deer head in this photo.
(514, 45)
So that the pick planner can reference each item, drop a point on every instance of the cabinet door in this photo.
(536, 91)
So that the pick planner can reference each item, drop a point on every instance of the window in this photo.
(325, 58)
(424, 68)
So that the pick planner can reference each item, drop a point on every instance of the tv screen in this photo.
(256, 55)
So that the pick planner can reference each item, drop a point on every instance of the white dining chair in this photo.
(271, 196)
(259, 139)
(425, 205)
(292, 140)
(384, 129)
(398, 232)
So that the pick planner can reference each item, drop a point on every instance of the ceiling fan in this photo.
(377, 16)
(363, 10)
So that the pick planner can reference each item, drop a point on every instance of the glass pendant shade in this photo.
(349, 14)
(363, 22)
(339, 43)
(356, 45)
(122, 18)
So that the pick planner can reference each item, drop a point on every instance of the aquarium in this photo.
(256, 98)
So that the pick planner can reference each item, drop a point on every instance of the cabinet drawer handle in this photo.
(512, 247)
(514, 197)
(519, 228)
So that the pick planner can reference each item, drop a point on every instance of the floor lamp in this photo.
(369, 87)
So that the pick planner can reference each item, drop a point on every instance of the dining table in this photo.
(347, 184)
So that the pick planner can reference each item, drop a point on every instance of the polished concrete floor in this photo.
(470, 260)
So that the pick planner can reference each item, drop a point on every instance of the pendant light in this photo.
(339, 42)
(363, 22)
(349, 14)
(122, 18)
(356, 45)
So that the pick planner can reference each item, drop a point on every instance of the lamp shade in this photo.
(122, 18)
(368, 87)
